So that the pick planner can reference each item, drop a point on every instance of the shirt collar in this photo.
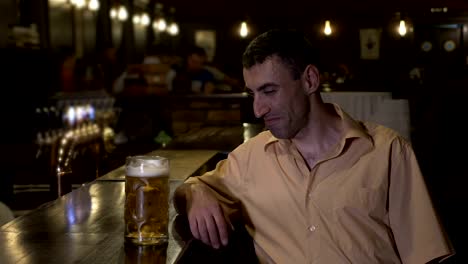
(351, 127)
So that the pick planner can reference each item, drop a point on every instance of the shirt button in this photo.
(312, 228)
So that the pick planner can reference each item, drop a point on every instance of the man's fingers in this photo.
(222, 228)
(203, 231)
(194, 227)
(212, 230)
(206, 217)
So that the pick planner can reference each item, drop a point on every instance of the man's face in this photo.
(195, 62)
(279, 99)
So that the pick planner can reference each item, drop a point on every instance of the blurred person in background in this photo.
(161, 54)
(222, 81)
(111, 69)
(192, 77)
(158, 54)
(67, 71)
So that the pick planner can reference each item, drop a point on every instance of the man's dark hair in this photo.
(290, 46)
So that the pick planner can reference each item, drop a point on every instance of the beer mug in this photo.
(146, 200)
(145, 254)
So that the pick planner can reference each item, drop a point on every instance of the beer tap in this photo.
(73, 132)
(61, 161)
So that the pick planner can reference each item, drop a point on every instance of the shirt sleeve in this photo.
(417, 230)
(226, 182)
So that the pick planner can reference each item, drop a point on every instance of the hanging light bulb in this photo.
(145, 19)
(113, 13)
(79, 3)
(136, 19)
(122, 14)
(93, 5)
(160, 24)
(402, 28)
(327, 29)
(173, 29)
(244, 30)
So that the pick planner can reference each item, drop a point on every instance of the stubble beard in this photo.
(282, 131)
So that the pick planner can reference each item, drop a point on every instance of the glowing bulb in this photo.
(173, 29)
(80, 3)
(113, 13)
(244, 31)
(93, 5)
(327, 30)
(136, 19)
(402, 28)
(162, 24)
(145, 19)
(122, 15)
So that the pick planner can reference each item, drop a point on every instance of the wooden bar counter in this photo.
(87, 225)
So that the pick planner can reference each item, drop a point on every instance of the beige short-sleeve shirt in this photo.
(366, 202)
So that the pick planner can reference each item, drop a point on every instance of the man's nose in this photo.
(260, 108)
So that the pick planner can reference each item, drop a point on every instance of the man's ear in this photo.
(311, 79)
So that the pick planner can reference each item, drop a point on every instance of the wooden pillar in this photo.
(42, 20)
(128, 36)
(7, 17)
(79, 32)
(150, 31)
(103, 26)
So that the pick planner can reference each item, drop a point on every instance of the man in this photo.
(193, 76)
(318, 186)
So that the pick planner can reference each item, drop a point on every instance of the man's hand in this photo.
(206, 218)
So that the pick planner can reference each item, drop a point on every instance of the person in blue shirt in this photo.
(193, 77)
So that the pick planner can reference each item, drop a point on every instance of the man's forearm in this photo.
(181, 195)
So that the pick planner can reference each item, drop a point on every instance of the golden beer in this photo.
(146, 200)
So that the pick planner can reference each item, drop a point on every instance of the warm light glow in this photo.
(145, 19)
(57, 2)
(136, 19)
(113, 13)
(244, 31)
(79, 3)
(327, 29)
(93, 5)
(160, 24)
(122, 15)
(173, 29)
(402, 28)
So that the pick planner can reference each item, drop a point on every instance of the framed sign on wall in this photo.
(207, 40)
(370, 43)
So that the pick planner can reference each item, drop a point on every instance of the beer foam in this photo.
(138, 171)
